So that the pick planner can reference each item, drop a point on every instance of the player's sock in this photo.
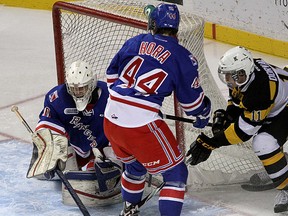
(171, 200)
(132, 188)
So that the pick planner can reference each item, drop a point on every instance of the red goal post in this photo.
(94, 30)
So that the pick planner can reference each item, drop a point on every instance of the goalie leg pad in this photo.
(71, 163)
(85, 183)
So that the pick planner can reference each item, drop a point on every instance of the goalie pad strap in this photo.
(81, 175)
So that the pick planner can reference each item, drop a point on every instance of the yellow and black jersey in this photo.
(263, 97)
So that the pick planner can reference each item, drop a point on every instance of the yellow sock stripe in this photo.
(283, 184)
(273, 159)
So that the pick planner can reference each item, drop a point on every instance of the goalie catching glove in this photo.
(49, 153)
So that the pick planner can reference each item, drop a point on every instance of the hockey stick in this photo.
(260, 187)
(131, 208)
(149, 180)
(72, 192)
(153, 181)
(176, 118)
(58, 171)
(150, 195)
(263, 187)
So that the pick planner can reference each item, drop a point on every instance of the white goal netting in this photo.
(94, 30)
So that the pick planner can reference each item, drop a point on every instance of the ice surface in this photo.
(31, 197)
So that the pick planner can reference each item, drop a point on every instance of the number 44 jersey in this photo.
(147, 69)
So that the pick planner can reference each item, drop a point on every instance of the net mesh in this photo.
(94, 30)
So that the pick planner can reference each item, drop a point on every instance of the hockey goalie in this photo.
(69, 136)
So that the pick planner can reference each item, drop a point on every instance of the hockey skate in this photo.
(129, 210)
(281, 201)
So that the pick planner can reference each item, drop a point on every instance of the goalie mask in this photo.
(164, 16)
(80, 83)
(235, 66)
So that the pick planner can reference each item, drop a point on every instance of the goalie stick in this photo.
(58, 171)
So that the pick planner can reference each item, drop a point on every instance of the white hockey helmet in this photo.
(236, 63)
(80, 83)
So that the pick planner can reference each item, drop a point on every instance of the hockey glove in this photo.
(200, 150)
(49, 152)
(202, 118)
(219, 120)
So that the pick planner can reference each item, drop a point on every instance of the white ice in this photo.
(28, 71)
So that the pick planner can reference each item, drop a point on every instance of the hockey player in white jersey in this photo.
(257, 107)
(69, 132)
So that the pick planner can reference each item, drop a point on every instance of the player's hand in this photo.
(200, 150)
(202, 118)
(219, 120)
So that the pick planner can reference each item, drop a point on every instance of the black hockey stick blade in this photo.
(72, 192)
(260, 187)
(263, 187)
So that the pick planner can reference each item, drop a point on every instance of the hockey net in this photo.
(94, 30)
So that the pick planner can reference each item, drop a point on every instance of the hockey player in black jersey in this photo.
(257, 107)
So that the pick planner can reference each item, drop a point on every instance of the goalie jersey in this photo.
(147, 69)
(256, 103)
(84, 130)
